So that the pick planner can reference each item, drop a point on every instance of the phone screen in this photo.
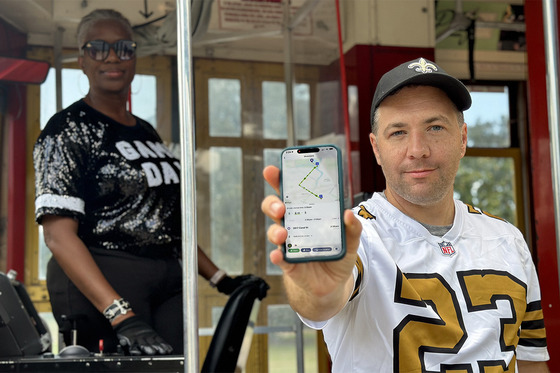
(312, 192)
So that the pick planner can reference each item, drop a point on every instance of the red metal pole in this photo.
(16, 122)
(344, 91)
(544, 245)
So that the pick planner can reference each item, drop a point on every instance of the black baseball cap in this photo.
(421, 72)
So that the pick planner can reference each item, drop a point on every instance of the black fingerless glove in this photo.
(227, 285)
(138, 338)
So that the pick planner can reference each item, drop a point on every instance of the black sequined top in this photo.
(121, 183)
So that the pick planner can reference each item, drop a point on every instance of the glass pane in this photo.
(302, 111)
(488, 183)
(75, 86)
(353, 114)
(275, 111)
(224, 106)
(216, 314)
(310, 350)
(143, 98)
(44, 255)
(282, 345)
(52, 327)
(226, 219)
(270, 157)
(488, 118)
(356, 175)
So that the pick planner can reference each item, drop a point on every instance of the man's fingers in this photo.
(272, 176)
(277, 234)
(353, 229)
(273, 208)
(277, 257)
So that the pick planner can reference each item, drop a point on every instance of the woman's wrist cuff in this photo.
(217, 277)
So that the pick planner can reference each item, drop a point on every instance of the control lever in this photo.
(74, 350)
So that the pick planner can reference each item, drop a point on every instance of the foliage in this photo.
(488, 182)
(489, 134)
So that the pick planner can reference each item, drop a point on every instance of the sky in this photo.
(487, 107)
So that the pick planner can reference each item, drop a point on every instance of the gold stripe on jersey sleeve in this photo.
(359, 277)
(533, 332)
(493, 216)
(533, 315)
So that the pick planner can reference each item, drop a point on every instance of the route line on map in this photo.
(306, 176)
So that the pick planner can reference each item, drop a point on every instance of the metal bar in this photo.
(289, 76)
(209, 332)
(58, 66)
(291, 139)
(299, 346)
(248, 338)
(188, 182)
(236, 37)
(302, 12)
(346, 115)
(289, 25)
(502, 26)
(551, 53)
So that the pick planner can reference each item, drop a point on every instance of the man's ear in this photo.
(464, 139)
(374, 147)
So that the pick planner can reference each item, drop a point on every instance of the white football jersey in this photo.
(465, 302)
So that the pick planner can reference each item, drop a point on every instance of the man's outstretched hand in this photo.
(317, 290)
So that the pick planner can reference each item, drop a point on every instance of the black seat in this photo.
(223, 353)
(22, 332)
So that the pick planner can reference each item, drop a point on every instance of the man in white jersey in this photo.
(429, 283)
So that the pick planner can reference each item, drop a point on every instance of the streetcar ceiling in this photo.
(225, 28)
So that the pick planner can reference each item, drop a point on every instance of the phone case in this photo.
(340, 206)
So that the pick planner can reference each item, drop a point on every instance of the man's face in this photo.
(419, 144)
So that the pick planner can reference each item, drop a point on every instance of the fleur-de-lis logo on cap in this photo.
(422, 66)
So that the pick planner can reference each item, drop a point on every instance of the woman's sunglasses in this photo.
(99, 49)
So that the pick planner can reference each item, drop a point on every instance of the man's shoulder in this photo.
(381, 219)
(477, 221)
(477, 215)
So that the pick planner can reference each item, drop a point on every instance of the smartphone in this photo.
(312, 190)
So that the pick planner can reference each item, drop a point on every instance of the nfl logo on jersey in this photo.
(446, 248)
